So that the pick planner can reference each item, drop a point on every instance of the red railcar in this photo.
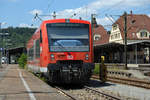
(62, 50)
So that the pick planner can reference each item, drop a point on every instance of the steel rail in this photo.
(111, 97)
(130, 82)
(127, 81)
(60, 90)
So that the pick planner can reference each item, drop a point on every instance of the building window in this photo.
(97, 37)
(133, 35)
(143, 34)
(112, 37)
(116, 36)
(114, 27)
(133, 21)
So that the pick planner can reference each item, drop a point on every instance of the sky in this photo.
(20, 13)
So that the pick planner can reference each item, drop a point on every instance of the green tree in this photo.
(22, 60)
(18, 36)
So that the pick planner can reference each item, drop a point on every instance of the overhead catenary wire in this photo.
(111, 7)
(39, 16)
(145, 8)
(111, 19)
(136, 9)
(49, 5)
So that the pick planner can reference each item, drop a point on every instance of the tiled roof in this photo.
(104, 37)
(135, 23)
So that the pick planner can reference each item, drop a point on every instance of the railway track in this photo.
(105, 96)
(127, 81)
(59, 89)
(65, 93)
(87, 93)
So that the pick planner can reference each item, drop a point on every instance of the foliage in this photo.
(18, 37)
(22, 60)
(96, 70)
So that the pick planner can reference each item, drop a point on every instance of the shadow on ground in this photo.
(91, 83)
(97, 83)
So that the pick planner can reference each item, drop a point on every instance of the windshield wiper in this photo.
(62, 47)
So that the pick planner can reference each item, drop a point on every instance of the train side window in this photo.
(37, 48)
(40, 36)
(30, 54)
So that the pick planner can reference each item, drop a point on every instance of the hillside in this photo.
(17, 37)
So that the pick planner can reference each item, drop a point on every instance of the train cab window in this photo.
(40, 36)
(69, 37)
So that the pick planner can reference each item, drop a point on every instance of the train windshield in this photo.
(68, 37)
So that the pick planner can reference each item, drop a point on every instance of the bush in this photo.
(22, 61)
(96, 70)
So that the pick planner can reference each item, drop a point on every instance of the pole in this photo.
(92, 29)
(54, 15)
(0, 27)
(136, 52)
(125, 38)
(93, 22)
(92, 15)
(0, 50)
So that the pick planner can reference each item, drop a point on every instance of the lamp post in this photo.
(1, 35)
(3, 48)
(125, 38)
(8, 44)
(0, 49)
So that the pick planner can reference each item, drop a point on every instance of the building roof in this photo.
(104, 37)
(145, 43)
(139, 42)
(135, 23)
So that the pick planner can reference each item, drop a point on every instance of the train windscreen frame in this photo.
(68, 37)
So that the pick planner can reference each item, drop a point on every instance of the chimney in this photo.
(94, 22)
(131, 12)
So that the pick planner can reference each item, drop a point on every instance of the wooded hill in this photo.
(17, 37)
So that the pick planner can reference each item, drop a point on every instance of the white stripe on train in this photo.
(37, 69)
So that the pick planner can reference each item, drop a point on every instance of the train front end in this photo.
(70, 51)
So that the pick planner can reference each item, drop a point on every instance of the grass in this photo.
(96, 70)
(41, 77)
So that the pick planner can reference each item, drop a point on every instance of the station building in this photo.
(112, 45)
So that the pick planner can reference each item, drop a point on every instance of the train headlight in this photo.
(52, 56)
(86, 57)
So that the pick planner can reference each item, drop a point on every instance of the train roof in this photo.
(56, 21)
(66, 20)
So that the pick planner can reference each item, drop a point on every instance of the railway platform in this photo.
(19, 84)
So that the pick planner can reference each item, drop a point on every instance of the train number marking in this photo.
(69, 57)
